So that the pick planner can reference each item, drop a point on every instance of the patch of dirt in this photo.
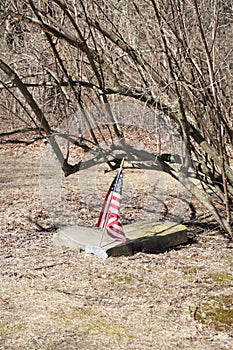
(54, 298)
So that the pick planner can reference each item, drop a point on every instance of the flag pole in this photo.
(107, 216)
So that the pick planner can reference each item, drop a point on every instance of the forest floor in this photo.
(57, 298)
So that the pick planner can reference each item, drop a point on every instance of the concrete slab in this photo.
(147, 236)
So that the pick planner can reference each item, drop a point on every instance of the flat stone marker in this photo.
(146, 236)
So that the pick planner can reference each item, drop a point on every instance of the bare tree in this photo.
(62, 56)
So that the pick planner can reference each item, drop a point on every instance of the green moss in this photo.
(8, 328)
(220, 278)
(89, 322)
(66, 315)
(124, 279)
(4, 329)
(229, 261)
(103, 326)
(189, 270)
(140, 279)
(216, 311)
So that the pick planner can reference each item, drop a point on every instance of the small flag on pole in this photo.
(109, 218)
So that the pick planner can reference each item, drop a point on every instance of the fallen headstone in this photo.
(147, 236)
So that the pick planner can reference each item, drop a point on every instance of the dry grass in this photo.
(53, 298)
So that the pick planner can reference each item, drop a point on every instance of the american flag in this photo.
(109, 218)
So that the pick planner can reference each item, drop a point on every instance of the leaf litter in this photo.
(57, 298)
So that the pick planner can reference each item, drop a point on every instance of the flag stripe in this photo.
(114, 229)
(116, 198)
(114, 210)
(104, 210)
(115, 204)
(115, 235)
